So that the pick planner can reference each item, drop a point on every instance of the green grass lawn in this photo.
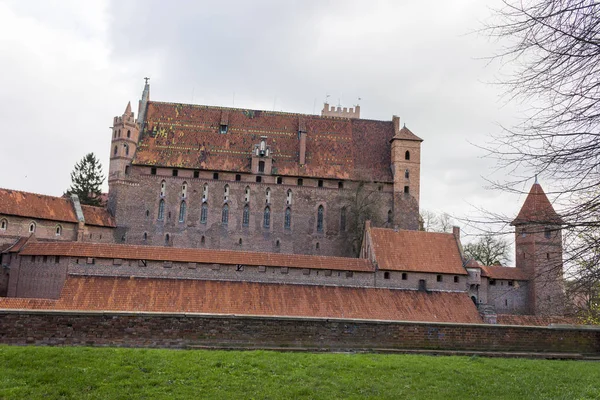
(111, 373)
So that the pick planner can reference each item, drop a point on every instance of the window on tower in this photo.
(407, 155)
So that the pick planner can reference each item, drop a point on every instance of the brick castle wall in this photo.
(183, 330)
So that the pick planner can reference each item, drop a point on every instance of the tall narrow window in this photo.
(288, 200)
(205, 192)
(268, 196)
(343, 219)
(407, 155)
(279, 180)
(261, 167)
(182, 211)
(184, 190)
(226, 193)
(288, 219)
(116, 149)
(300, 181)
(267, 218)
(167, 239)
(128, 133)
(406, 173)
(161, 210)
(225, 215)
(389, 217)
(126, 149)
(163, 188)
(246, 216)
(58, 230)
(320, 212)
(247, 194)
(204, 213)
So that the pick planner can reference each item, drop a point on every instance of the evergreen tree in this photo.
(86, 179)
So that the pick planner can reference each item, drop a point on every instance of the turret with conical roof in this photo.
(538, 245)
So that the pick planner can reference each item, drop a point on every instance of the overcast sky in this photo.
(69, 67)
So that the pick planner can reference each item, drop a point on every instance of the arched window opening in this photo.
(225, 215)
(205, 192)
(163, 188)
(202, 240)
(277, 243)
(268, 196)
(182, 208)
(126, 149)
(226, 193)
(343, 219)
(161, 210)
(184, 190)
(288, 200)
(128, 133)
(406, 173)
(115, 135)
(240, 241)
(145, 236)
(3, 224)
(32, 227)
(389, 217)
(58, 230)
(147, 213)
(288, 218)
(119, 133)
(320, 212)
(407, 155)
(204, 213)
(317, 246)
(247, 194)
(246, 216)
(115, 151)
(267, 218)
(167, 239)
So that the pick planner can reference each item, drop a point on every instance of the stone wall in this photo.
(135, 204)
(507, 298)
(37, 276)
(44, 229)
(183, 330)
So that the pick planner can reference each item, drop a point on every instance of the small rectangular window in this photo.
(456, 279)
(492, 282)
(349, 274)
(56, 259)
(45, 258)
(422, 284)
(406, 189)
(175, 172)
(153, 171)
(340, 185)
(320, 183)
(238, 177)
(215, 175)
(404, 276)
(196, 174)
(127, 170)
(32, 258)
(258, 179)
(279, 180)
(300, 182)
(439, 278)
(223, 129)
(511, 283)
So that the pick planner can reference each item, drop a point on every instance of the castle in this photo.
(271, 213)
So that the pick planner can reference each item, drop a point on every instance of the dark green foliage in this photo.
(489, 250)
(86, 179)
(108, 373)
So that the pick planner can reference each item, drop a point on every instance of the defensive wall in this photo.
(122, 329)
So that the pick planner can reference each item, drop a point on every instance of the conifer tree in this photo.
(86, 179)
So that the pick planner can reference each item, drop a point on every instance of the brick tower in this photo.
(538, 242)
(406, 169)
(125, 137)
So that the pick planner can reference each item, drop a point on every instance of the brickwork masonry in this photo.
(18, 327)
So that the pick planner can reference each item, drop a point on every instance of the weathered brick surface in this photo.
(182, 330)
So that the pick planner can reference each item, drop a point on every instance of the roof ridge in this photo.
(35, 194)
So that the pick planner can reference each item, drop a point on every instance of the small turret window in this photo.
(128, 134)
(389, 216)
(547, 233)
(407, 155)
(126, 149)
(261, 167)
(205, 192)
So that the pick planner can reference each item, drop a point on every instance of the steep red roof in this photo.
(32, 205)
(537, 209)
(187, 136)
(416, 251)
(101, 250)
(405, 134)
(246, 298)
(98, 216)
(507, 273)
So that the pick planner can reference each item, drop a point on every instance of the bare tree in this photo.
(364, 204)
(432, 222)
(489, 250)
(551, 51)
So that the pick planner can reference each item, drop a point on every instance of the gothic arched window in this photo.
(58, 230)
(182, 211)
(246, 216)
(225, 215)
(407, 155)
(204, 213)
(320, 212)
(3, 224)
(267, 218)
(32, 227)
(288, 219)
(128, 133)
(161, 210)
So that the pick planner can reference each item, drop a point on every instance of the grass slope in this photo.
(113, 373)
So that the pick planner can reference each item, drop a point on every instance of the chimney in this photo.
(456, 232)
(396, 122)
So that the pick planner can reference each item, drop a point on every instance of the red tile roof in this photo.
(97, 216)
(246, 298)
(187, 136)
(40, 206)
(406, 134)
(32, 205)
(416, 251)
(537, 208)
(507, 273)
(100, 250)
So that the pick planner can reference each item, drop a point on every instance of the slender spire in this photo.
(128, 109)
(537, 209)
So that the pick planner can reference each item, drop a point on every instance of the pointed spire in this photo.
(128, 109)
(537, 209)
